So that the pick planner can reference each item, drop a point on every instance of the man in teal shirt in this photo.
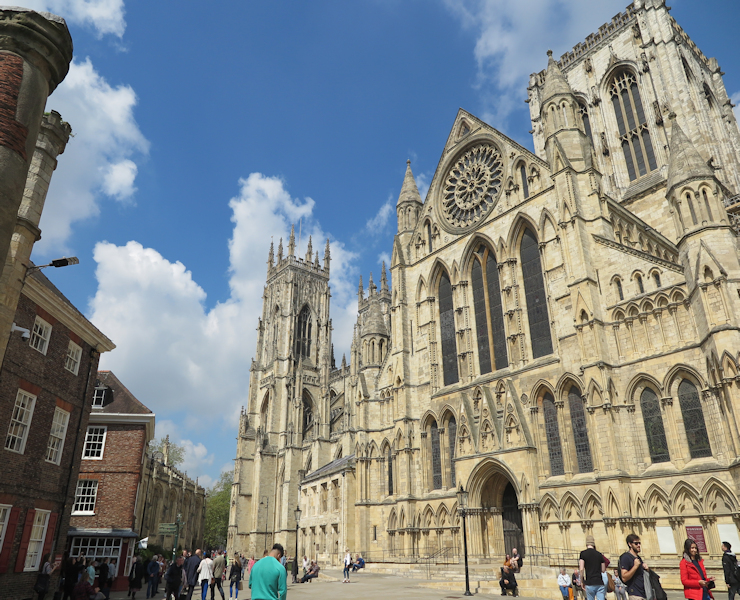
(268, 579)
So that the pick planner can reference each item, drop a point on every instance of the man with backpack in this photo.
(730, 567)
(632, 568)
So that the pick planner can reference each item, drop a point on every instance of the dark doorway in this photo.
(512, 520)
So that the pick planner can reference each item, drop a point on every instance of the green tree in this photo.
(175, 452)
(218, 500)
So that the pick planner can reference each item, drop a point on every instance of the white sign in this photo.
(728, 533)
(666, 541)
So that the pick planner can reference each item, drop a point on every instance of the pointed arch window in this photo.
(487, 302)
(654, 430)
(580, 432)
(451, 438)
(690, 202)
(583, 110)
(552, 431)
(618, 284)
(303, 333)
(656, 278)
(693, 420)
(307, 414)
(534, 292)
(634, 135)
(436, 457)
(447, 331)
(706, 204)
(523, 175)
(390, 472)
(429, 236)
(640, 286)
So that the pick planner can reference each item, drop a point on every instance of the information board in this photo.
(696, 533)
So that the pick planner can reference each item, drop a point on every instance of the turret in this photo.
(408, 207)
(271, 256)
(360, 292)
(691, 188)
(327, 256)
(383, 280)
(309, 250)
(371, 287)
(291, 242)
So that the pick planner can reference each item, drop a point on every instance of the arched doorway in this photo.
(512, 521)
(493, 497)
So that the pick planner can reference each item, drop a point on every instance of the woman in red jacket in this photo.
(696, 584)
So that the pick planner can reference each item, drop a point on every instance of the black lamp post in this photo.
(462, 507)
(297, 512)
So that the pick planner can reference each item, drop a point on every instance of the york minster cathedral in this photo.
(558, 332)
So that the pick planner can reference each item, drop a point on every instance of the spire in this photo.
(360, 291)
(383, 280)
(327, 255)
(309, 250)
(371, 287)
(685, 162)
(555, 81)
(344, 361)
(291, 242)
(271, 256)
(333, 362)
(316, 262)
(409, 191)
(280, 251)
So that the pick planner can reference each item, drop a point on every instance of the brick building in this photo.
(46, 384)
(109, 486)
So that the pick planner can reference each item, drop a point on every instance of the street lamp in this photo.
(65, 261)
(462, 508)
(297, 512)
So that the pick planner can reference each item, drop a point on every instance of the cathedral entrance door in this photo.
(512, 521)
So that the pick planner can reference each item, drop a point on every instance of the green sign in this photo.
(167, 528)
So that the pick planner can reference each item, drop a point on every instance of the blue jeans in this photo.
(151, 586)
(204, 585)
(595, 591)
(232, 585)
(564, 591)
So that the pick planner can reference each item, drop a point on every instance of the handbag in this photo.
(42, 584)
(240, 585)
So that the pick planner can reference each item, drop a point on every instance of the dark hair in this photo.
(279, 548)
(44, 560)
(687, 548)
(728, 544)
(632, 537)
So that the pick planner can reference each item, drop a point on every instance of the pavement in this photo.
(362, 586)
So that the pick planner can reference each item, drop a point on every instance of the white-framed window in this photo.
(20, 422)
(36, 541)
(98, 397)
(4, 518)
(57, 435)
(72, 362)
(98, 548)
(85, 495)
(94, 442)
(40, 335)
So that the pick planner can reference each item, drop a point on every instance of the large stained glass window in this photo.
(693, 420)
(580, 432)
(447, 330)
(554, 448)
(534, 292)
(654, 430)
(436, 458)
(487, 303)
(451, 439)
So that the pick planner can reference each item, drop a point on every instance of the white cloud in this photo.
(98, 159)
(422, 183)
(377, 224)
(105, 16)
(511, 44)
(384, 257)
(197, 459)
(171, 349)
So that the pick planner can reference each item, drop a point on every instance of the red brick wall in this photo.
(118, 474)
(27, 481)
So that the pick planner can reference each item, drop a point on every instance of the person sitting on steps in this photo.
(508, 581)
(312, 573)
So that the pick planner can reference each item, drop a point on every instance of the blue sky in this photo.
(204, 129)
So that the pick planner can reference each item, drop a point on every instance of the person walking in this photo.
(173, 579)
(43, 579)
(347, 566)
(730, 568)
(632, 569)
(205, 575)
(219, 567)
(591, 565)
(191, 572)
(696, 584)
(268, 579)
(104, 578)
(620, 590)
(564, 583)
(152, 570)
(135, 577)
(235, 577)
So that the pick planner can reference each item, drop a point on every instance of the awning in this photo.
(104, 532)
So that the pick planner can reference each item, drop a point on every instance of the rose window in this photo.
(472, 186)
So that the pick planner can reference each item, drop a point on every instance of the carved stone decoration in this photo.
(472, 186)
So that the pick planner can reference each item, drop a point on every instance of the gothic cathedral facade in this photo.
(561, 336)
